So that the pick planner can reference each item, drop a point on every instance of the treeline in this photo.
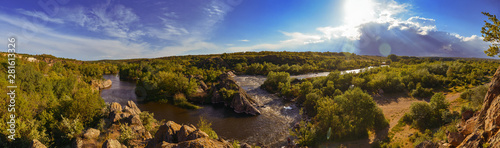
(176, 79)
(54, 101)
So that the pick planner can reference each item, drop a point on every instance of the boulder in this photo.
(132, 108)
(91, 133)
(183, 133)
(112, 143)
(37, 144)
(245, 145)
(241, 101)
(115, 107)
(173, 135)
(197, 134)
(455, 138)
(77, 143)
(134, 120)
(203, 143)
(165, 133)
(106, 84)
(241, 104)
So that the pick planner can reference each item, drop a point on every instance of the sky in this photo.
(124, 29)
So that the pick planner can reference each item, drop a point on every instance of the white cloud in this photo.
(415, 36)
(40, 15)
(244, 40)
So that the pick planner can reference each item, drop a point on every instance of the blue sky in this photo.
(111, 29)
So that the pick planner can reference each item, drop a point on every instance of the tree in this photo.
(491, 33)
(393, 57)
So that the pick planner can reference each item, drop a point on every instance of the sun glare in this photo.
(358, 11)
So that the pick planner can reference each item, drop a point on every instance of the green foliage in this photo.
(422, 92)
(126, 134)
(475, 96)
(274, 79)
(350, 115)
(71, 127)
(205, 126)
(227, 94)
(424, 115)
(148, 121)
(310, 104)
(393, 57)
(236, 144)
(306, 134)
(491, 33)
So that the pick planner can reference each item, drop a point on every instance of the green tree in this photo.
(491, 33)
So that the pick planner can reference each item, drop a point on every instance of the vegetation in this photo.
(53, 101)
(205, 126)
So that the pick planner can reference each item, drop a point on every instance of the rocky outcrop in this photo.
(240, 101)
(173, 135)
(100, 84)
(129, 115)
(113, 143)
(37, 144)
(91, 133)
(482, 129)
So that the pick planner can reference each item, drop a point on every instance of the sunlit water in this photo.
(270, 128)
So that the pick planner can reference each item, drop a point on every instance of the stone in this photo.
(245, 145)
(106, 84)
(77, 143)
(183, 133)
(112, 143)
(91, 133)
(37, 144)
(133, 109)
(455, 138)
(197, 134)
(115, 107)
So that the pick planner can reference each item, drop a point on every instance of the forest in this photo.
(56, 100)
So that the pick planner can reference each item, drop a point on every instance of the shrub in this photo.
(205, 126)
(71, 127)
(126, 135)
(306, 133)
(274, 79)
(422, 92)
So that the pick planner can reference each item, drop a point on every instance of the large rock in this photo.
(173, 135)
(91, 133)
(241, 101)
(183, 133)
(132, 108)
(37, 144)
(115, 107)
(166, 132)
(100, 84)
(112, 143)
(455, 138)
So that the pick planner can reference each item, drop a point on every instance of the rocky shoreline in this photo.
(168, 135)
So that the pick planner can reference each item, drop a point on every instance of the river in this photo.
(270, 128)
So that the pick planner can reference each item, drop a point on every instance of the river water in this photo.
(270, 128)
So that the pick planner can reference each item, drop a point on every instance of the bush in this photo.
(71, 127)
(306, 134)
(421, 115)
(126, 135)
(422, 92)
(205, 126)
(274, 79)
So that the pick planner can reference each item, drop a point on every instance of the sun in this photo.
(357, 12)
